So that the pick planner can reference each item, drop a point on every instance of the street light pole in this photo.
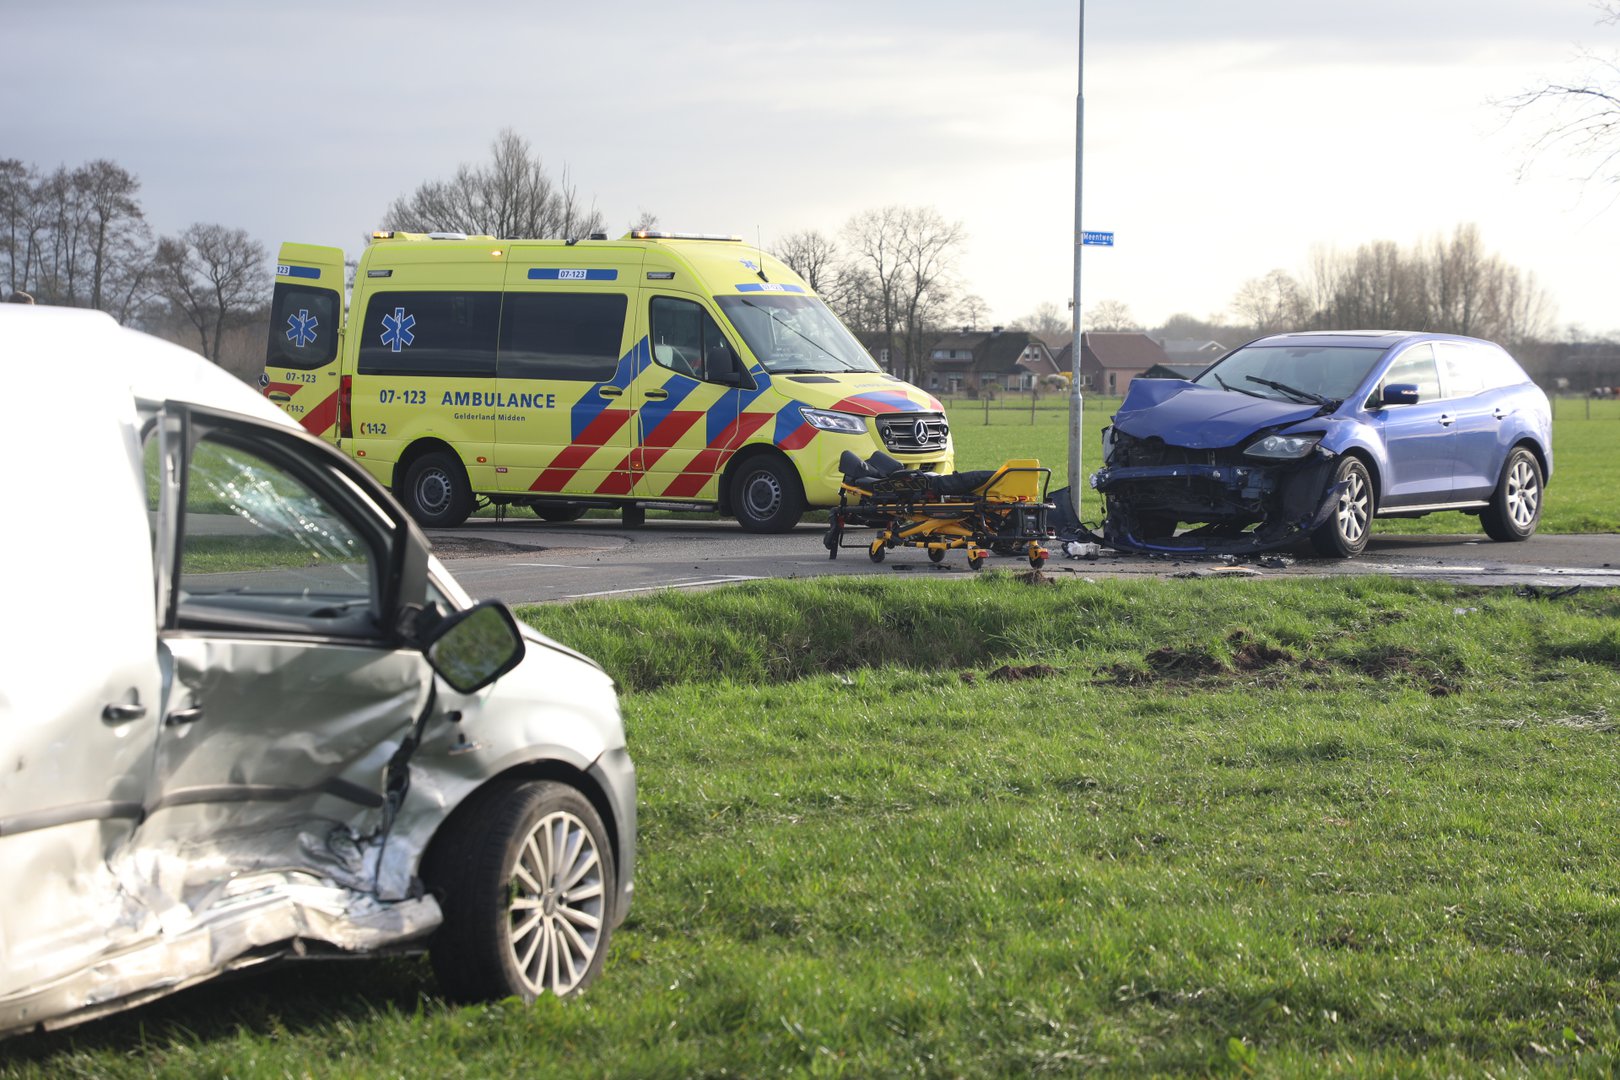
(1076, 401)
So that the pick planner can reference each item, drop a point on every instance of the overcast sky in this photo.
(1222, 139)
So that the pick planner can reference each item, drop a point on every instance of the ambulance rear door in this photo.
(306, 315)
(565, 364)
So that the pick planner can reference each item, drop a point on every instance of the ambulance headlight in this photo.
(842, 422)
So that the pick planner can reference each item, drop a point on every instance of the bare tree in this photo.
(512, 196)
(1271, 303)
(814, 256)
(874, 242)
(1584, 112)
(75, 238)
(908, 255)
(1047, 320)
(213, 277)
(1111, 316)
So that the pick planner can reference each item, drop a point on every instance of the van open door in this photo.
(306, 317)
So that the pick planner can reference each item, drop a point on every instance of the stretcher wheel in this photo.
(936, 554)
(975, 560)
(877, 552)
(1037, 556)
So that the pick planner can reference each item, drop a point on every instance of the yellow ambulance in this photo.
(659, 370)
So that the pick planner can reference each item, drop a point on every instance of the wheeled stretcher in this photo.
(1001, 510)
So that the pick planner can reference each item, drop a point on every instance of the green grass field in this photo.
(994, 826)
(1583, 496)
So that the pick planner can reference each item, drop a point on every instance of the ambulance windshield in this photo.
(795, 334)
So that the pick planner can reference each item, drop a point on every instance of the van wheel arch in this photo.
(791, 489)
(455, 487)
(501, 785)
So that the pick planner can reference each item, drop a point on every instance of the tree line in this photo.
(79, 238)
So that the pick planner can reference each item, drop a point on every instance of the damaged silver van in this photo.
(245, 714)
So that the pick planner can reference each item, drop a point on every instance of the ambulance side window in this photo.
(687, 340)
(561, 335)
(430, 333)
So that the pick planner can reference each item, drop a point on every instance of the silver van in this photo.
(246, 715)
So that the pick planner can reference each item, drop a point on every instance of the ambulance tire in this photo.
(552, 512)
(436, 491)
(766, 497)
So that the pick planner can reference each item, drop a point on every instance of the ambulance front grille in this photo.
(912, 433)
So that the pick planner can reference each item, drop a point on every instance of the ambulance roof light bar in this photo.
(654, 234)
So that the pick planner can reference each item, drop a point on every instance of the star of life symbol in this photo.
(301, 328)
(751, 264)
(397, 329)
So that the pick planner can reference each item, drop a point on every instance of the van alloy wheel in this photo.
(526, 878)
(557, 906)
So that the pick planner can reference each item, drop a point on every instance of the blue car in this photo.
(1312, 435)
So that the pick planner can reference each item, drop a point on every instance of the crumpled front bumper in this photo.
(1234, 509)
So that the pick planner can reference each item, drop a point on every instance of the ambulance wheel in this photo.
(552, 512)
(975, 561)
(936, 554)
(765, 496)
(436, 491)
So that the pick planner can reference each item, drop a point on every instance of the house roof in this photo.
(1185, 350)
(1173, 371)
(1125, 350)
(994, 352)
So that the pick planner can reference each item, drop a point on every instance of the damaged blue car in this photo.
(1310, 436)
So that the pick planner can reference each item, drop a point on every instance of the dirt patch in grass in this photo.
(1014, 673)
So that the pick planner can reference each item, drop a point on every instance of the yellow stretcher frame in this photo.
(1005, 514)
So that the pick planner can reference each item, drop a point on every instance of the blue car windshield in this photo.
(795, 334)
(1293, 372)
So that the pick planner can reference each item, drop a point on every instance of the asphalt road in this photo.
(522, 560)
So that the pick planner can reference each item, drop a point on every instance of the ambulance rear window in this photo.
(430, 333)
(561, 336)
(303, 327)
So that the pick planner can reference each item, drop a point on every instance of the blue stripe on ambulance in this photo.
(592, 404)
(766, 286)
(723, 413)
(298, 271)
(655, 412)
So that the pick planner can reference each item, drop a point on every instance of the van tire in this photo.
(524, 872)
(766, 496)
(436, 491)
(553, 512)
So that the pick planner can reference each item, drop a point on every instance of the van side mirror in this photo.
(473, 648)
(1400, 394)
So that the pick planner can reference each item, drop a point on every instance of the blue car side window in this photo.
(1416, 367)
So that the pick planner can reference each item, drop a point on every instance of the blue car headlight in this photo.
(841, 422)
(1282, 447)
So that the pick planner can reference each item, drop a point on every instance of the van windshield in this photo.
(795, 334)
